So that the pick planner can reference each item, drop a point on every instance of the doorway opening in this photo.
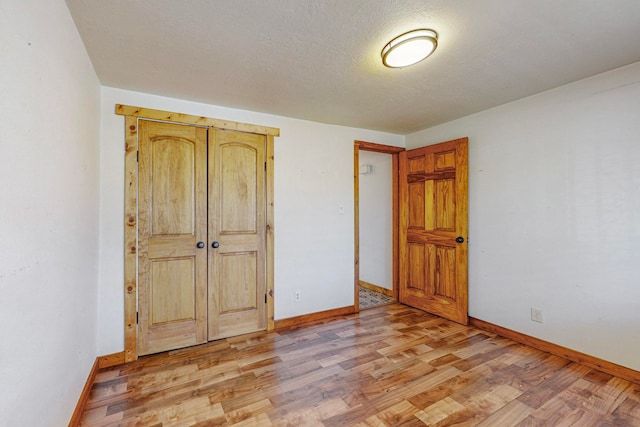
(376, 211)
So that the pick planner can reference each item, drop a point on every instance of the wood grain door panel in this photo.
(433, 213)
(238, 271)
(237, 285)
(172, 270)
(199, 185)
(237, 187)
(172, 303)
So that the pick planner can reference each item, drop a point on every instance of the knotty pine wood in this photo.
(109, 360)
(168, 116)
(388, 366)
(270, 232)
(130, 237)
(131, 207)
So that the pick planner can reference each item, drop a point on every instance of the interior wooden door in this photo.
(433, 229)
(172, 234)
(237, 293)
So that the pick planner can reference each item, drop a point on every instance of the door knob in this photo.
(214, 245)
(200, 245)
(460, 239)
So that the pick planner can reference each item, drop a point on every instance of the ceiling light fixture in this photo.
(409, 48)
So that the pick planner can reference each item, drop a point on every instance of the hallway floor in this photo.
(369, 298)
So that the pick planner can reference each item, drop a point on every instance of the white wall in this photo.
(554, 213)
(49, 141)
(313, 178)
(376, 220)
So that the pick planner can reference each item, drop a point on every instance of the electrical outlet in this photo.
(296, 296)
(537, 315)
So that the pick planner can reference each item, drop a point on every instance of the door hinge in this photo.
(265, 298)
(137, 155)
(265, 166)
(136, 317)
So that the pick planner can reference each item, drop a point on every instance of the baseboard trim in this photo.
(557, 350)
(110, 360)
(376, 288)
(84, 396)
(312, 317)
(106, 361)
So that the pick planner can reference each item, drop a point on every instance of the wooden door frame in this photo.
(394, 152)
(132, 115)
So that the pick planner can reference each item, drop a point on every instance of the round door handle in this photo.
(460, 239)
(215, 245)
(200, 245)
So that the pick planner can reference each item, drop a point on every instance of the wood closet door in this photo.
(433, 229)
(172, 269)
(237, 221)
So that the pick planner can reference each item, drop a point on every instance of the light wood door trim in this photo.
(378, 148)
(113, 359)
(167, 116)
(356, 226)
(394, 152)
(130, 238)
(131, 217)
(270, 200)
(395, 161)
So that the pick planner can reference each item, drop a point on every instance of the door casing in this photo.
(131, 115)
(394, 152)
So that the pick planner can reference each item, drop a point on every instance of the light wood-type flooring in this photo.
(387, 366)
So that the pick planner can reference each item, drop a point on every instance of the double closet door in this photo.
(201, 235)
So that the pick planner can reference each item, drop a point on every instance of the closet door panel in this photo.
(237, 233)
(172, 269)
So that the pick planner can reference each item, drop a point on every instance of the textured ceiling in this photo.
(320, 59)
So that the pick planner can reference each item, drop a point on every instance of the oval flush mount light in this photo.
(409, 48)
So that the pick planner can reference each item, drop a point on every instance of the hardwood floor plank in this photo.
(628, 413)
(556, 412)
(549, 388)
(440, 411)
(394, 415)
(509, 415)
(389, 366)
(492, 400)
(246, 410)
